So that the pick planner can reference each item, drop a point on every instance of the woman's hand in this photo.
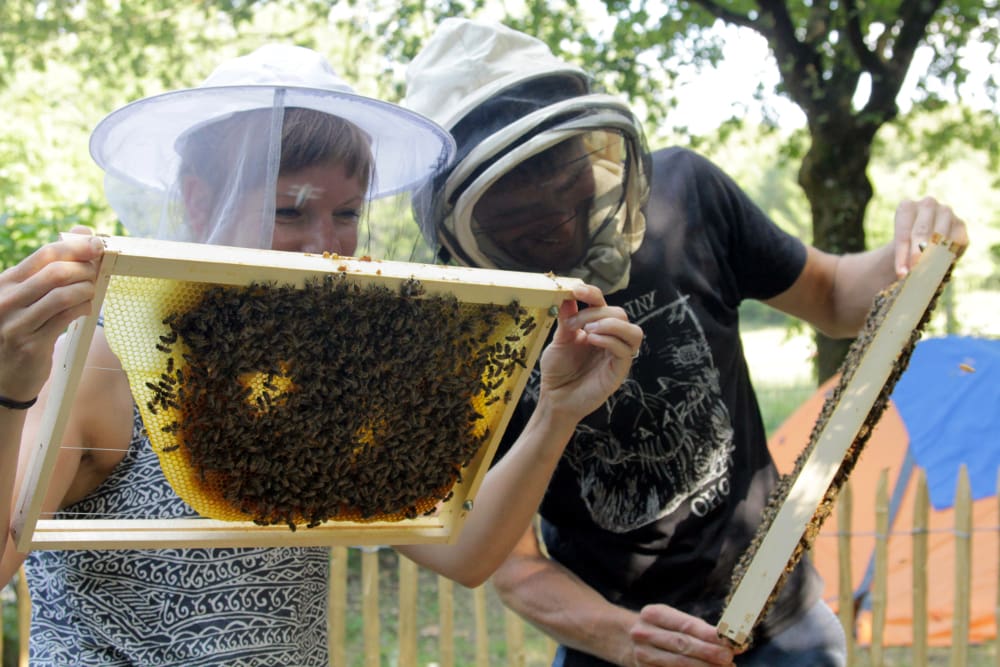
(39, 297)
(590, 354)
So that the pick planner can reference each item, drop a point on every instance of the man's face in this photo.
(539, 213)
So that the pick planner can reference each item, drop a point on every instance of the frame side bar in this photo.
(64, 378)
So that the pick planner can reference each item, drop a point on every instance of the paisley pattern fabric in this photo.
(184, 607)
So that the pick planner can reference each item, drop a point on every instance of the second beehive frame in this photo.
(871, 369)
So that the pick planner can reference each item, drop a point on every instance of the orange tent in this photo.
(888, 449)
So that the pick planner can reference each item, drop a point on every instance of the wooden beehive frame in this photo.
(836, 442)
(237, 266)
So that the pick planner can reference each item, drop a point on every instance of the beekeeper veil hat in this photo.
(228, 132)
(521, 115)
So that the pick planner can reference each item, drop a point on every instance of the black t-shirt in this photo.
(661, 490)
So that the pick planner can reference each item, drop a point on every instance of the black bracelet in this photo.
(11, 404)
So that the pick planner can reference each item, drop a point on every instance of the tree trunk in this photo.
(835, 180)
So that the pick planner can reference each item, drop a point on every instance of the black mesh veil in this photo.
(525, 128)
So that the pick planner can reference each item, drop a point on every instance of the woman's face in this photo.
(317, 210)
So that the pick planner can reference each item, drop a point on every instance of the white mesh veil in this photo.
(228, 133)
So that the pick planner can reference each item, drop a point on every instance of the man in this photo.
(662, 489)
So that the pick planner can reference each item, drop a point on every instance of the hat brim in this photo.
(137, 142)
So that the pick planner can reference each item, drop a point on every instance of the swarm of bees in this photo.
(329, 401)
(882, 304)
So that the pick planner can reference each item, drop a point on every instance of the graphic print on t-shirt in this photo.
(670, 439)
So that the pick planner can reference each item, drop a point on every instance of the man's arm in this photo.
(560, 604)
(834, 293)
(557, 602)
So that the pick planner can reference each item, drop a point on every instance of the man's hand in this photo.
(916, 222)
(667, 637)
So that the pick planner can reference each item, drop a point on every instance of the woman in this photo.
(237, 161)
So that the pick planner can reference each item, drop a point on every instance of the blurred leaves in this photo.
(24, 231)
(64, 63)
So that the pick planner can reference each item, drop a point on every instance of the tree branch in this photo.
(887, 80)
(915, 16)
(726, 14)
(869, 60)
(818, 23)
(799, 62)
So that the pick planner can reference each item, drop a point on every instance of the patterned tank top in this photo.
(184, 607)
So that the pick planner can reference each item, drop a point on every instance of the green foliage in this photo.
(124, 45)
(993, 282)
(958, 128)
(822, 49)
(65, 63)
(25, 231)
(9, 647)
(389, 232)
(755, 315)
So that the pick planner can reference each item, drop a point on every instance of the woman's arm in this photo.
(588, 359)
(39, 297)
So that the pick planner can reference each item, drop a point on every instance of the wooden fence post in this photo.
(23, 618)
(963, 568)
(514, 632)
(482, 635)
(845, 587)
(336, 603)
(446, 621)
(550, 649)
(996, 622)
(408, 589)
(879, 582)
(369, 606)
(2, 588)
(921, 513)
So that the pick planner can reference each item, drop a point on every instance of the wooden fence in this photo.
(387, 611)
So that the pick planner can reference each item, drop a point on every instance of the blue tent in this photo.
(949, 399)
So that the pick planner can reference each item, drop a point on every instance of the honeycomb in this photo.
(331, 400)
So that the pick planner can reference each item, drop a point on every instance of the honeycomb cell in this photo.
(297, 405)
